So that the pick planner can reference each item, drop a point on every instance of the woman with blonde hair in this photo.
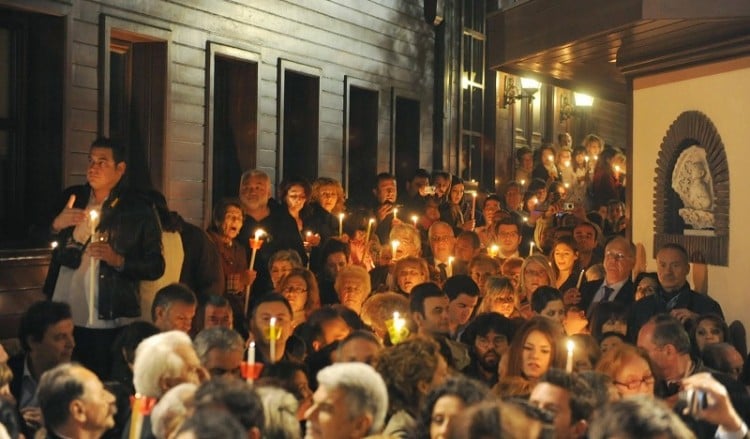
(300, 288)
(536, 272)
(499, 297)
(630, 370)
(408, 273)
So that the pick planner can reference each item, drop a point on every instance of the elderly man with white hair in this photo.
(351, 402)
(163, 361)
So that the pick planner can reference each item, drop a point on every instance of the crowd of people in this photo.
(440, 312)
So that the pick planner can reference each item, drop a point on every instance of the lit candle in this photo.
(569, 362)
(254, 245)
(394, 246)
(53, 245)
(525, 219)
(341, 224)
(369, 229)
(450, 265)
(550, 157)
(395, 212)
(534, 201)
(250, 362)
(414, 219)
(272, 339)
(93, 215)
(567, 163)
(474, 205)
(523, 182)
(587, 159)
(494, 250)
(567, 185)
(531, 248)
(398, 322)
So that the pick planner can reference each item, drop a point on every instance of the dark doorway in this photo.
(138, 72)
(362, 142)
(406, 140)
(31, 129)
(301, 100)
(235, 125)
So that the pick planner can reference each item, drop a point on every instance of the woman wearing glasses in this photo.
(630, 370)
(300, 288)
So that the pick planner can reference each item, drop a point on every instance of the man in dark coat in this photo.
(619, 257)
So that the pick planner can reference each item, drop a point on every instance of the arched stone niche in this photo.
(691, 194)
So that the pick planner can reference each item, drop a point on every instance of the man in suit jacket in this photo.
(619, 257)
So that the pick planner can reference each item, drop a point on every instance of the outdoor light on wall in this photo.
(569, 109)
(513, 92)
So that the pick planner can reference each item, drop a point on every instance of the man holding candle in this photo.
(385, 193)
(122, 248)
(264, 213)
(271, 327)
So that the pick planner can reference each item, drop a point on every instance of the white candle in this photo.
(523, 182)
(394, 246)
(53, 245)
(251, 354)
(567, 163)
(587, 159)
(531, 248)
(272, 339)
(395, 212)
(341, 224)
(474, 205)
(414, 219)
(369, 229)
(569, 362)
(93, 215)
(450, 264)
(580, 279)
(258, 234)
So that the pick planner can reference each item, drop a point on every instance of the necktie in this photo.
(443, 271)
(607, 293)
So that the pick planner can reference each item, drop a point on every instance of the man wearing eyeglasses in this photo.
(619, 257)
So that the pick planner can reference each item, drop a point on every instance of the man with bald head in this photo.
(619, 258)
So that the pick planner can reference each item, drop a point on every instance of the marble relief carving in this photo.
(692, 181)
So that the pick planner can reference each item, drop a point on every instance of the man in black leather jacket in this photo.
(125, 249)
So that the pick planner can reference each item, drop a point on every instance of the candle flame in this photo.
(570, 345)
(93, 214)
(372, 220)
(53, 244)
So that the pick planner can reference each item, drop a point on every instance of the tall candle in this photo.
(272, 339)
(369, 229)
(394, 246)
(474, 205)
(531, 248)
(395, 212)
(450, 264)
(93, 215)
(569, 361)
(341, 224)
(255, 247)
(414, 219)
(250, 362)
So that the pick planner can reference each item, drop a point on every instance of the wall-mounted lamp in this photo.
(513, 92)
(568, 109)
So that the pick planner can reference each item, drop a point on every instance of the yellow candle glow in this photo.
(523, 182)
(414, 219)
(395, 212)
(493, 250)
(272, 339)
(341, 224)
(394, 246)
(569, 363)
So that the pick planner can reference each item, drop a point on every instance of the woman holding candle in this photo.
(608, 183)
(564, 257)
(546, 169)
(226, 223)
(533, 351)
(300, 288)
